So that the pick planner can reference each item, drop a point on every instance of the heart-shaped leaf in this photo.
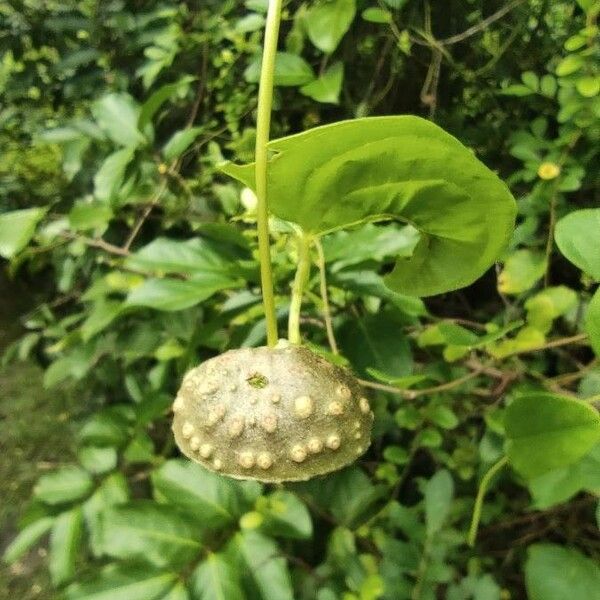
(394, 168)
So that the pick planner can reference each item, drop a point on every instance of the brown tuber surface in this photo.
(271, 414)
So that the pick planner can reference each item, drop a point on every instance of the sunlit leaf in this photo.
(546, 431)
(554, 572)
(17, 228)
(327, 23)
(402, 168)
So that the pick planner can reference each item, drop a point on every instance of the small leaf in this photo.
(180, 142)
(531, 80)
(109, 177)
(555, 572)
(98, 460)
(113, 490)
(17, 228)
(327, 87)
(327, 23)
(376, 15)
(592, 322)
(286, 516)
(175, 295)
(439, 492)
(265, 566)
(216, 579)
(377, 341)
(577, 238)
(181, 257)
(546, 431)
(63, 485)
(27, 538)
(290, 70)
(158, 98)
(522, 270)
(89, 215)
(117, 115)
(569, 65)
(65, 540)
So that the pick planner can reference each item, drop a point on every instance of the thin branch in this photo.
(459, 37)
(574, 339)
(325, 298)
(412, 394)
(97, 243)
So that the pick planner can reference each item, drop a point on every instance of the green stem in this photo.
(263, 128)
(483, 487)
(302, 273)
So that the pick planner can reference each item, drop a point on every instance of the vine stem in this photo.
(302, 273)
(263, 129)
(325, 298)
(483, 487)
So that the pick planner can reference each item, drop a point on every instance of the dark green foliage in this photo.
(116, 117)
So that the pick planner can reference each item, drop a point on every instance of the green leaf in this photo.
(216, 579)
(180, 142)
(377, 15)
(290, 70)
(559, 485)
(149, 532)
(63, 485)
(569, 65)
(177, 592)
(188, 257)
(531, 80)
(174, 295)
(158, 98)
(89, 215)
(592, 322)
(117, 115)
(248, 23)
(403, 168)
(368, 243)
(65, 541)
(109, 178)
(209, 496)
(17, 228)
(102, 314)
(122, 583)
(98, 460)
(265, 567)
(113, 490)
(589, 86)
(522, 270)
(554, 572)
(549, 304)
(348, 495)
(439, 491)
(377, 341)
(577, 238)
(285, 515)
(326, 23)
(27, 538)
(546, 431)
(326, 89)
